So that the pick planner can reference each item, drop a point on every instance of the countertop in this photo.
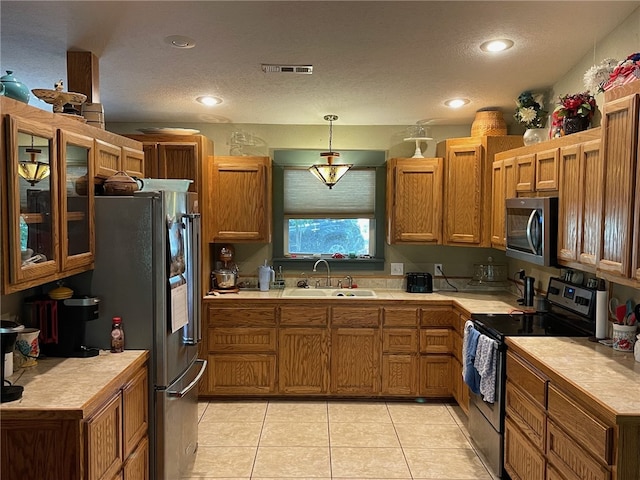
(609, 377)
(472, 302)
(70, 383)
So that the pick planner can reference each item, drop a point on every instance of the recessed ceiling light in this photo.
(496, 45)
(209, 101)
(456, 102)
(180, 41)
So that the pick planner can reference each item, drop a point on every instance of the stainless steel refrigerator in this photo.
(147, 271)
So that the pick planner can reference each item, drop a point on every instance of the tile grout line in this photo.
(404, 455)
(255, 457)
(329, 441)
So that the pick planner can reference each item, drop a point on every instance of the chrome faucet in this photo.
(349, 281)
(315, 266)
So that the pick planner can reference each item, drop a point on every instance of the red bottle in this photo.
(117, 336)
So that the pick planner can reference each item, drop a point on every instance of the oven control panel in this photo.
(573, 297)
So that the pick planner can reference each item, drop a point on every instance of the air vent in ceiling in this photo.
(299, 69)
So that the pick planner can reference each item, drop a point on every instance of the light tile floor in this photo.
(321, 440)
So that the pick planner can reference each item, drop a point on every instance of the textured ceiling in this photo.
(374, 63)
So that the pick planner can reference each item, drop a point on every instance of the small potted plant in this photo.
(531, 114)
(574, 112)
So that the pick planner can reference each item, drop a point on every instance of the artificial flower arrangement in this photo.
(529, 111)
(626, 71)
(576, 105)
(597, 76)
(572, 106)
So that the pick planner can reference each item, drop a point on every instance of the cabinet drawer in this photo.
(456, 346)
(570, 459)
(233, 374)
(527, 415)
(437, 317)
(436, 340)
(240, 317)
(399, 340)
(303, 316)
(527, 378)
(136, 467)
(589, 431)
(400, 317)
(521, 460)
(355, 317)
(241, 340)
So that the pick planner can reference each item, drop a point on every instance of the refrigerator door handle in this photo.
(191, 333)
(188, 388)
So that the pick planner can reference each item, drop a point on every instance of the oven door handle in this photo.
(530, 239)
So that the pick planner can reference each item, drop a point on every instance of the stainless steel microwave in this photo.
(532, 229)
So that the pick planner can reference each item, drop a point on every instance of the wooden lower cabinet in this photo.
(336, 349)
(435, 375)
(522, 461)
(555, 430)
(107, 443)
(242, 373)
(355, 361)
(303, 360)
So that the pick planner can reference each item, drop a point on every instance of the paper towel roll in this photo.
(602, 314)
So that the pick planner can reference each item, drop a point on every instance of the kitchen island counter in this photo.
(608, 378)
(72, 387)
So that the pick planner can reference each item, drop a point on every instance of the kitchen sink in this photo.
(328, 292)
(356, 292)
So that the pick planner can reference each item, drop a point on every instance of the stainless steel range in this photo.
(571, 313)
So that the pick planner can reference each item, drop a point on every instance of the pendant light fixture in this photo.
(330, 173)
(33, 170)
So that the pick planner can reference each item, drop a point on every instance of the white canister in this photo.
(624, 337)
(27, 348)
(636, 349)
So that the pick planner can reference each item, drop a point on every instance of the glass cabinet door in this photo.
(32, 180)
(76, 200)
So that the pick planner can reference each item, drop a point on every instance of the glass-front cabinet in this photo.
(49, 204)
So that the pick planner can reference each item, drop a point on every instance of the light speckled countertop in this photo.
(473, 302)
(70, 383)
(609, 376)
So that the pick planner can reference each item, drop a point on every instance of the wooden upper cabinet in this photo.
(133, 162)
(525, 166)
(168, 156)
(414, 200)
(108, 159)
(503, 186)
(547, 170)
(468, 168)
(619, 150)
(463, 194)
(579, 215)
(172, 160)
(241, 199)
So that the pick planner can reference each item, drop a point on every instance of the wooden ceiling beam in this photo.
(83, 75)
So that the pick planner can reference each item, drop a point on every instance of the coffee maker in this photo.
(62, 325)
(9, 333)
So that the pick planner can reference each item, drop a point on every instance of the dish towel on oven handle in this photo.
(485, 363)
(469, 345)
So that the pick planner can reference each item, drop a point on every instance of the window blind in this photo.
(353, 196)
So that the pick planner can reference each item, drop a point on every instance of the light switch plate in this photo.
(397, 269)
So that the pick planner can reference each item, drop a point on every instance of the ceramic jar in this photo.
(535, 135)
(574, 124)
(14, 89)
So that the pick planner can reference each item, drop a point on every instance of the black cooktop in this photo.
(500, 325)
(571, 313)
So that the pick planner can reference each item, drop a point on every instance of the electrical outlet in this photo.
(437, 269)
(397, 269)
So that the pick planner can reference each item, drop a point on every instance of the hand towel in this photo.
(469, 345)
(485, 363)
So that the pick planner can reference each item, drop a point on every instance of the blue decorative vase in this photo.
(14, 89)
